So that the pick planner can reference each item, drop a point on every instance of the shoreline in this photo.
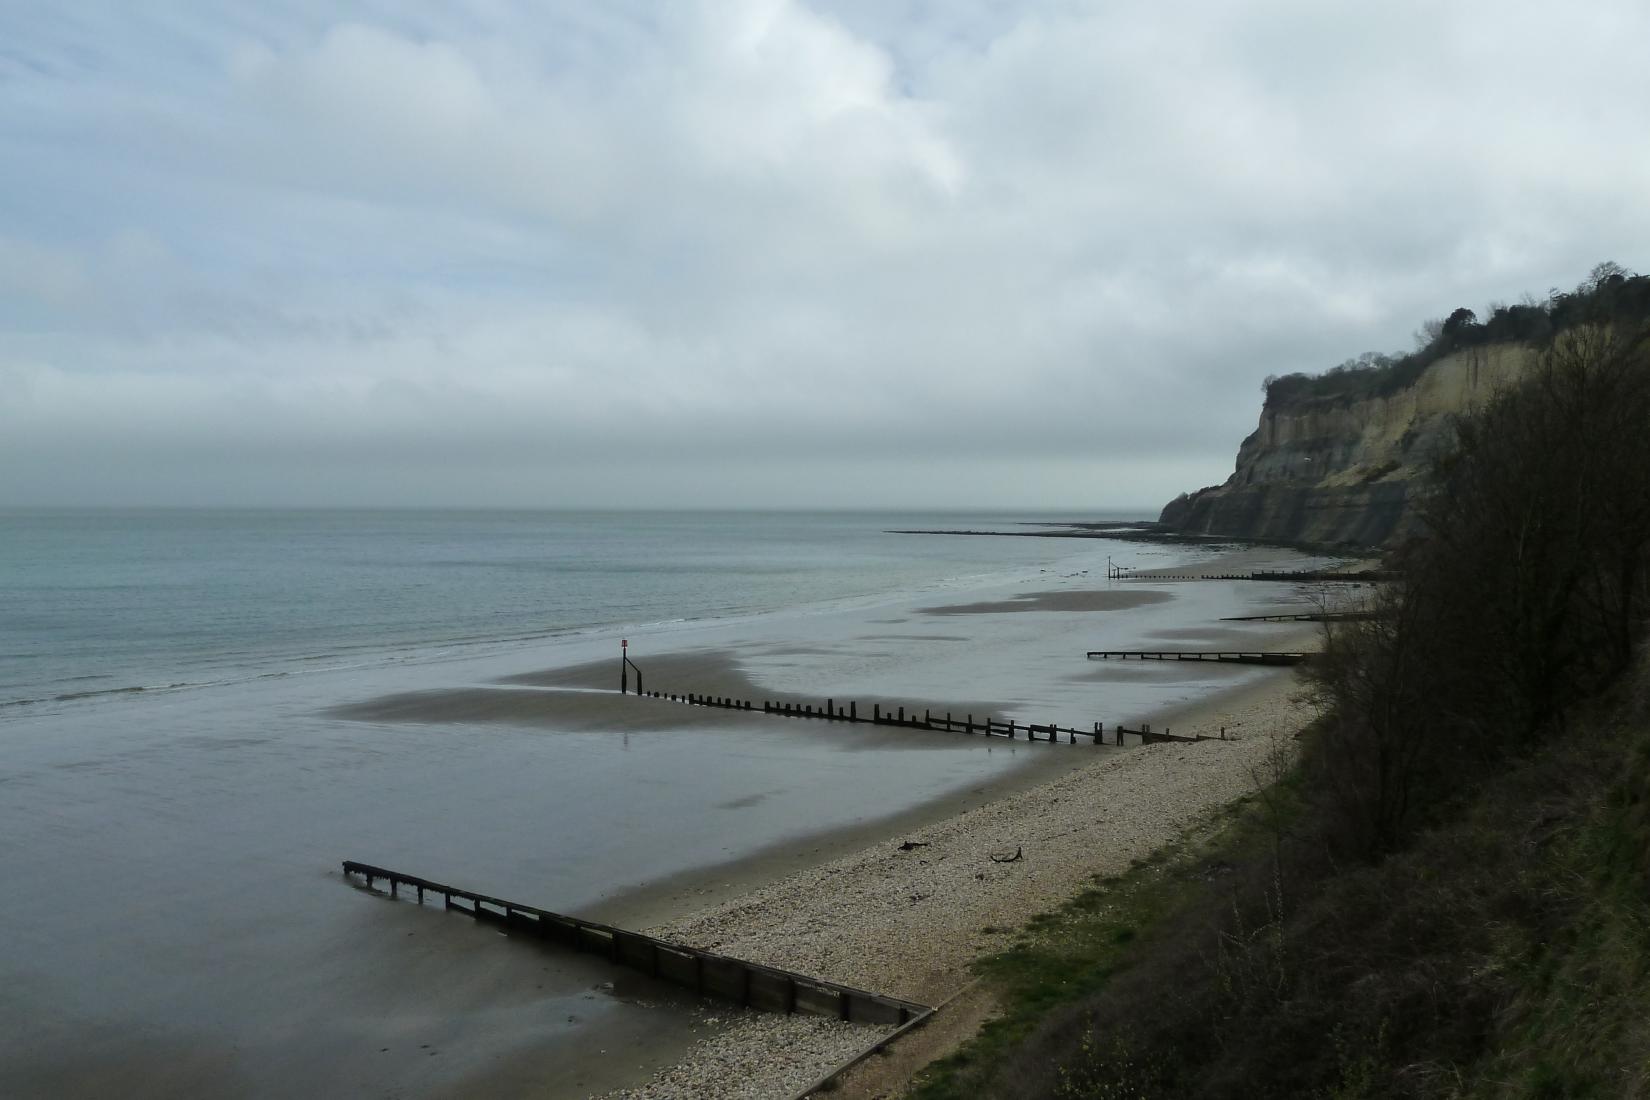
(827, 901)
(503, 772)
(909, 922)
(666, 901)
(680, 896)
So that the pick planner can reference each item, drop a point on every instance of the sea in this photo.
(100, 602)
(177, 789)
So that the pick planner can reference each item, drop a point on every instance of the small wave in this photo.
(82, 696)
(70, 696)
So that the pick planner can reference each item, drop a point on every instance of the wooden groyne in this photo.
(1149, 736)
(950, 722)
(830, 710)
(1325, 575)
(1228, 657)
(1367, 576)
(985, 726)
(1307, 617)
(1129, 531)
(765, 988)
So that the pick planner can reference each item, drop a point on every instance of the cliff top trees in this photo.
(1610, 294)
(1459, 322)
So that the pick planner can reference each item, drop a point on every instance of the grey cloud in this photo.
(771, 252)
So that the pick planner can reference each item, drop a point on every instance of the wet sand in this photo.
(585, 697)
(580, 701)
(724, 673)
(704, 887)
(1201, 673)
(1065, 599)
(842, 902)
(579, 697)
(410, 1001)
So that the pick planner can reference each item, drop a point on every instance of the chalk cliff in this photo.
(1343, 469)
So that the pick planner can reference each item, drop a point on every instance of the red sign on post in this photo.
(624, 643)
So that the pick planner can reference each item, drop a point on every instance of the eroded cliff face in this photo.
(1338, 472)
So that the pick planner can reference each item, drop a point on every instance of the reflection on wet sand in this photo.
(584, 697)
(1066, 599)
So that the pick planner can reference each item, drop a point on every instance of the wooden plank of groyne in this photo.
(770, 992)
(762, 987)
(594, 940)
(872, 1010)
(1253, 658)
(818, 1000)
(634, 950)
(724, 978)
(678, 967)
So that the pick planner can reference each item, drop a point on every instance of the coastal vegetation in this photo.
(1609, 295)
(1444, 891)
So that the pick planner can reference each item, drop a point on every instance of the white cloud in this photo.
(826, 238)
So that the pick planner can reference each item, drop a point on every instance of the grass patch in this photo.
(1506, 953)
(1062, 957)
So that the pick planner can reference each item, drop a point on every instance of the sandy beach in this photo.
(907, 914)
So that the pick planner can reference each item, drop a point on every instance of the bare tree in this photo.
(1528, 594)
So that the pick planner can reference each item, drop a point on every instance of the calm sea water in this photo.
(105, 601)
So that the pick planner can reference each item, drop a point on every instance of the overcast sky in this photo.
(757, 252)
